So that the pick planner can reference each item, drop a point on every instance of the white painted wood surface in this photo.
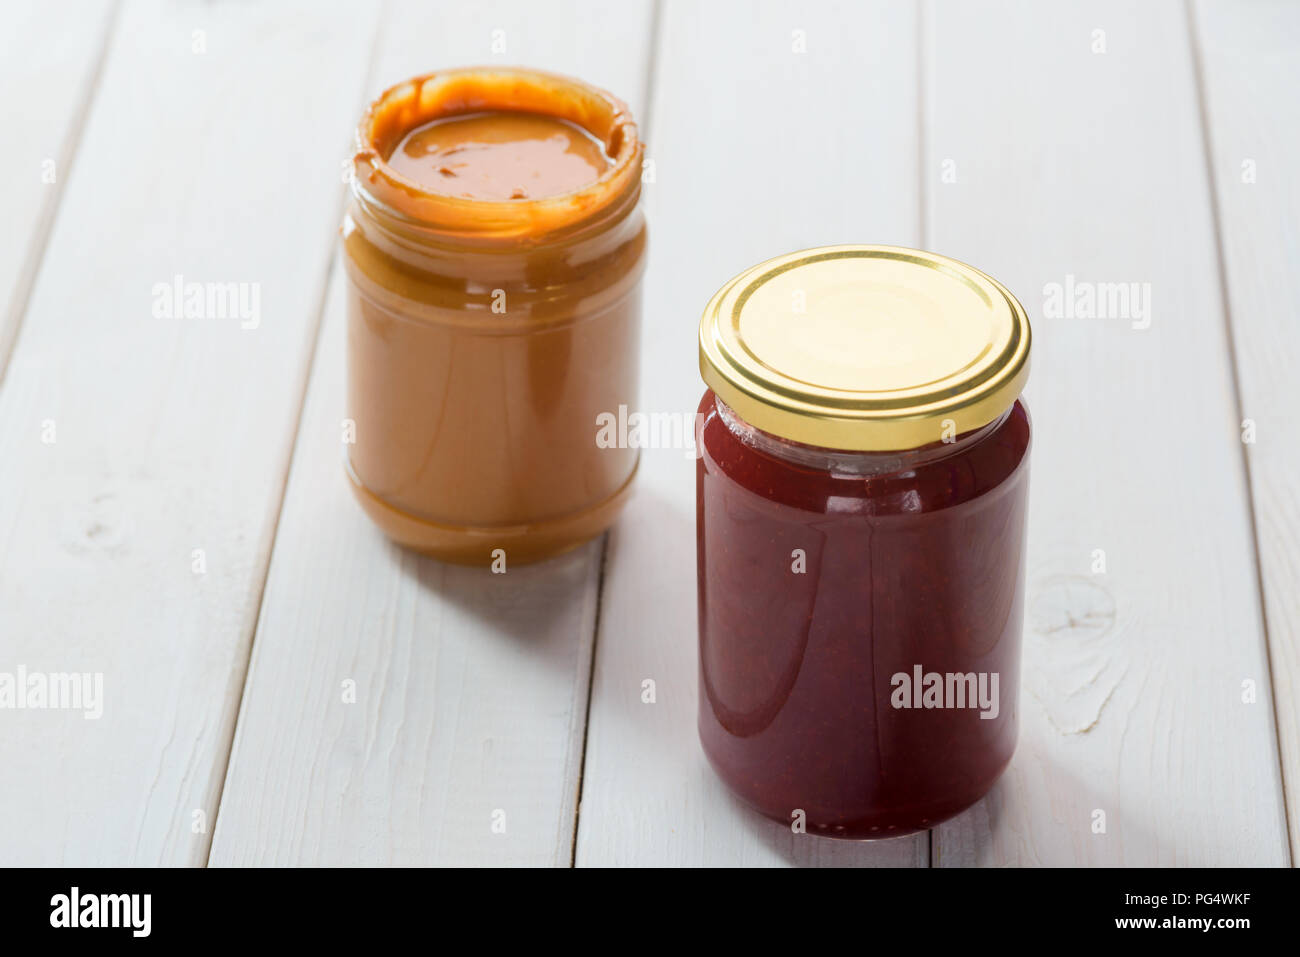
(471, 686)
(171, 434)
(468, 689)
(1250, 61)
(737, 110)
(1091, 165)
(990, 131)
(50, 58)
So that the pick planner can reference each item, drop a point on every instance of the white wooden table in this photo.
(282, 686)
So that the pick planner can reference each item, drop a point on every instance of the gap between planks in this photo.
(313, 337)
(1200, 82)
(12, 321)
(656, 22)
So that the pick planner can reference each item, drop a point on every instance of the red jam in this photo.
(860, 618)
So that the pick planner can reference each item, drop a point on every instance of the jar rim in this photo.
(445, 93)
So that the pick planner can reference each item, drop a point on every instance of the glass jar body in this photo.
(486, 336)
(476, 373)
(860, 620)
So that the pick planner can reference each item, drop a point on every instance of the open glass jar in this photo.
(486, 336)
(861, 494)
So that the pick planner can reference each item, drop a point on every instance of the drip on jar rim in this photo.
(415, 102)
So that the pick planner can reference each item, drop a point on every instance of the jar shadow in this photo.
(541, 605)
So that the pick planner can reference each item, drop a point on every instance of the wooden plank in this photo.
(145, 452)
(1250, 74)
(471, 687)
(50, 58)
(607, 44)
(758, 150)
(1083, 167)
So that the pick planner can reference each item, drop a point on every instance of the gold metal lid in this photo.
(865, 347)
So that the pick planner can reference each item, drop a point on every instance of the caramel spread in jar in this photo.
(487, 332)
(500, 155)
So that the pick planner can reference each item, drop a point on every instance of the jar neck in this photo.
(851, 464)
(413, 213)
(405, 237)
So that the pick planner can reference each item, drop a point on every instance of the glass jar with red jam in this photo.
(861, 494)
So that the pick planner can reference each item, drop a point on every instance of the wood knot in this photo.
(1071, 606)
(97, 525)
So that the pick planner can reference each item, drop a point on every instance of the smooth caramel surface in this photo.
(500, 155)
